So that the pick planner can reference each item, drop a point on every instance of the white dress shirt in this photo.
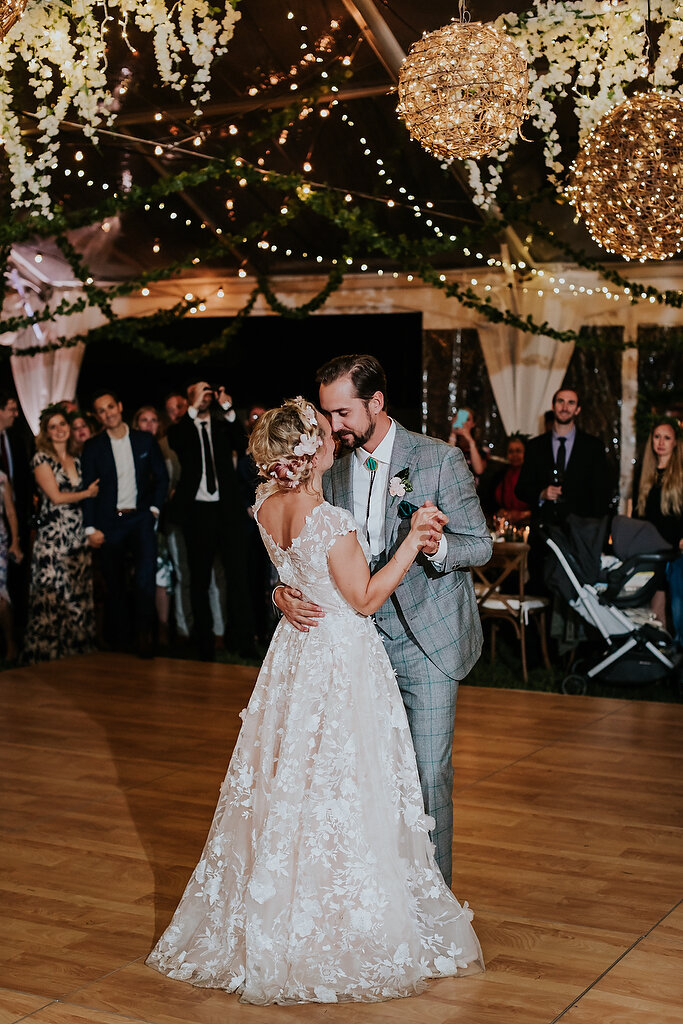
(127, 489)
(202, 491)
(361, 488)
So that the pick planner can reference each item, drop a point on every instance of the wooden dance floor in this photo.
(568, 845)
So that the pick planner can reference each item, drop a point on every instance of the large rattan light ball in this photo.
(10, 11)
(627, 180)
(462, 90)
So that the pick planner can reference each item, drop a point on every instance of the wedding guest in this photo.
(61, 611)
(207, 505)
(120, 519)
(660, 501)
(565, 470)
(147, 419)
(462, 436)
(254, 414)
(82, 428)
(68, 406)
(176, 406)
(15, 447)
(259, 567)
(9, 549)
(508, 505)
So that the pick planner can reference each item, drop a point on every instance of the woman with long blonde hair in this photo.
(660, 501)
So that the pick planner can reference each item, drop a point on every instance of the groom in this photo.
(430, 626)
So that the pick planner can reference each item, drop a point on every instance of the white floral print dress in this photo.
(318, 882)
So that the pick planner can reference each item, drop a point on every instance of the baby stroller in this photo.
(612, 593)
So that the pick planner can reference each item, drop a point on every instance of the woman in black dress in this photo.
(61, 614)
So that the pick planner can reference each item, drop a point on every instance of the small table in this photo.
(500, 589)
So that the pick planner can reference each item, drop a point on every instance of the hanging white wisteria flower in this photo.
(588, 51)
(62, 46)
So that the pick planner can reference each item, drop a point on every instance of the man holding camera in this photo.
(207, 506)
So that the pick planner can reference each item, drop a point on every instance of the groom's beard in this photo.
(349, 440)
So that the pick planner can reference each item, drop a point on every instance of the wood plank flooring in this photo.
(569, 847)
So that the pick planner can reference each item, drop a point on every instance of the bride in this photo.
(318, 882)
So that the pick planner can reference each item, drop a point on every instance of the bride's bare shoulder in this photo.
(284, 513)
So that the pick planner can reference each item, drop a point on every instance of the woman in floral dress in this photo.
(61, 612)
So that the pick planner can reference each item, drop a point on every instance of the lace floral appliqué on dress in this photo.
(318, 882)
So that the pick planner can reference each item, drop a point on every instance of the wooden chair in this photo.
(499, 586)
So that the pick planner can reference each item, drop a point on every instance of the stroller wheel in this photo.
(574, 684)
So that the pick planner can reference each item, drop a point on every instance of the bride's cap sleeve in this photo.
(339, 522)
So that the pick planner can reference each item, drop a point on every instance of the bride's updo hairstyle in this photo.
(284, 441)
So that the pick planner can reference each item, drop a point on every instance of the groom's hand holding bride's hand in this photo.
(428, 523)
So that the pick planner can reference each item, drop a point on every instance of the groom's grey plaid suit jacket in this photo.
(437, 606)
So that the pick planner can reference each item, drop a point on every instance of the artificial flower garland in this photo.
(61, 45)
(589, 51)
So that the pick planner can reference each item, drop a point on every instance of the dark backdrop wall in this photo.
(455, 377)
(270, 359)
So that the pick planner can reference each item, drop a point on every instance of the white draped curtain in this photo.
(49, 376)
(46, 378)
(527, 369)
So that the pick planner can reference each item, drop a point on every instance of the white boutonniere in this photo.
(400, 484)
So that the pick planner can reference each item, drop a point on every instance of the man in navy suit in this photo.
(133, 485)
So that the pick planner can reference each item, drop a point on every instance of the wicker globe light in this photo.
(10, 12)
(627, 180)
(462, 90)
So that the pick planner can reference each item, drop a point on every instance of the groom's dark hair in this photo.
(366, 373)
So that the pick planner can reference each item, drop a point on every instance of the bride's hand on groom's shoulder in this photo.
(300, 613)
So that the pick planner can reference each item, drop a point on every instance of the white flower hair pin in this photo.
(308, 411)
(307, 445)
(310, 415)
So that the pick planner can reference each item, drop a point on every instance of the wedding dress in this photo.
(318, 882)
